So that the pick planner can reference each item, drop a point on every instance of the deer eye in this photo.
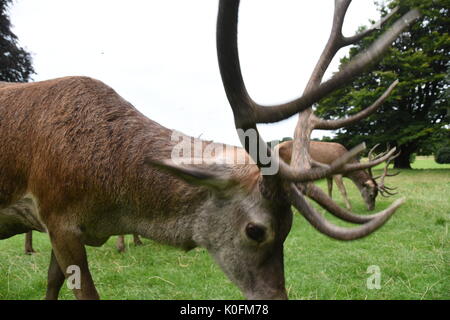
(255, 232)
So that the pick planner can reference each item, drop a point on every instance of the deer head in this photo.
(374, 187)
(248, 216)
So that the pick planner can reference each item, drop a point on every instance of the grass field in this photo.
(412, 251)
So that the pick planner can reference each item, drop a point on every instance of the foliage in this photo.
(415, 117)
(15, 62)
(443, 155)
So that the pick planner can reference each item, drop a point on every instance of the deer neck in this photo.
(359, 178)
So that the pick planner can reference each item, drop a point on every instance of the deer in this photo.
(95, 167)
(326, 153)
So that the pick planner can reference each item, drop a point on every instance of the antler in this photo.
(247, 113)
(319, 222)
(384, 190)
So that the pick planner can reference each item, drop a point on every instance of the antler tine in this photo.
(381, 187)
(321, 171)
(383, 192)
(320, 197)
(367, 165)
(331, 230)
(353, 39)
(339, 166)
(388, 175)
(369, 155)
(332, 46)
(346, 168)
(339, 123)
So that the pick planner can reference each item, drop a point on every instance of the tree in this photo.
(15, 62)
(414, 118)
(443, 155)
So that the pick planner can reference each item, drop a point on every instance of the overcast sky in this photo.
(160, 54)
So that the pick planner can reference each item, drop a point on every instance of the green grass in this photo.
(412, 251)
(428, 163)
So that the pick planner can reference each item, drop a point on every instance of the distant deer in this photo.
(94, 166)
(326, 153)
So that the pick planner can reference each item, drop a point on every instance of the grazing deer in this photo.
(96, 167)
(326, 153)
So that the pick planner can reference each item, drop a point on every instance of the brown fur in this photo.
(324, 152)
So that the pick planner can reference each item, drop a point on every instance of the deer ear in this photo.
(207, 175)
(285, 150)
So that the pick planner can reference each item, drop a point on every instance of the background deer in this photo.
(326, 153)
(95, 167)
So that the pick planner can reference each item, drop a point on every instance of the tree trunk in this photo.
(402, 161)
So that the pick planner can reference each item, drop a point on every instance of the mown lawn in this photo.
(412, 251)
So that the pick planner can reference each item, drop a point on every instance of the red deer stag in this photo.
(96, 167)
(326, 153)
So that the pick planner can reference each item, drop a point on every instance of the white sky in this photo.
(160, 54)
